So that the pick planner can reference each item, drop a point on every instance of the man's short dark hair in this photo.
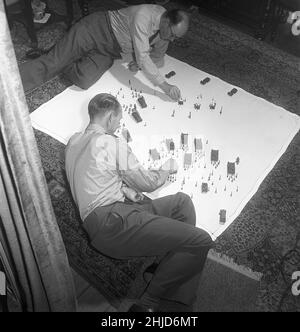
(176, 16)
(103, 103)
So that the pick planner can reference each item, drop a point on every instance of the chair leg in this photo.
(30, 24)
(70, 12)
(3, 296)
(84, 6)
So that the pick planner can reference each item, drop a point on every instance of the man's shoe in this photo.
(174, 306)
(140, 308)
(35, 53)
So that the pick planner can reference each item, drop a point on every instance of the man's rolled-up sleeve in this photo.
(140, 38)
(134, 174)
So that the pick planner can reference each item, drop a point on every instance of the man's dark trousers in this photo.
(163, 227)
(83, 54)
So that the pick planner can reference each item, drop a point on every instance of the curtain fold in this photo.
(30, 237)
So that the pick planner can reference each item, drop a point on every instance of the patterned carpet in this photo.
(268, 228)
(265, 238)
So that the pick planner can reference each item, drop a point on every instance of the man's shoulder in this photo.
(149, 9)
(81, 137)
(74, 138)
(106, 137)
(106, 140)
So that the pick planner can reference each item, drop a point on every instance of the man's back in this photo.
(133, 26)
(90, 161)
(128, 16)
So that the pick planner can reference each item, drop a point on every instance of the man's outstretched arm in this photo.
(135, 175)
(142, 50)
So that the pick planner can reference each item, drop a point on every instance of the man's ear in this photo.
(110, 117)
(166, 20)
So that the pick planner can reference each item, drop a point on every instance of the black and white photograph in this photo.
(149, 159)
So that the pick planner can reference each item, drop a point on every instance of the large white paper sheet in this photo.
(247, 131)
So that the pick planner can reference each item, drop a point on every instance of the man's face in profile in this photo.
(115, 121)
(171, 32)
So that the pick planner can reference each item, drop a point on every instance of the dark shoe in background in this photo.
(140, 308)
(173, 306)
(34, 53)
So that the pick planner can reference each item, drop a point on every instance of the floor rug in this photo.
(240, 137)
(265, 237)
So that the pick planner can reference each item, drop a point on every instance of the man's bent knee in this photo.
(86, 71)
(200, 239)
(184, 199)
(186, 205)
(204, 239)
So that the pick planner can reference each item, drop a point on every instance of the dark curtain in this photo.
(31, 247)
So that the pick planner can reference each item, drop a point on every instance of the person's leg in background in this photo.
(71, 47)
(88, 69)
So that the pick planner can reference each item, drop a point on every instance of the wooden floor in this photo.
(221, 289)
(88, 298)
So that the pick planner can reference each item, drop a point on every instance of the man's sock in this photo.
(149, 300)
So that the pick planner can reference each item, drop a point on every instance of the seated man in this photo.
(92, 44)
(98, 164)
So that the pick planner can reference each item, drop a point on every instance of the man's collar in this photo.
(95, 127)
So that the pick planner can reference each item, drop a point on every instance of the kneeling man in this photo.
(89, 49)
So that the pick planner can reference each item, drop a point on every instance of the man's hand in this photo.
(170, 165)
(133, 66)
(171, 90)
(174, 93)
(131, 194)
